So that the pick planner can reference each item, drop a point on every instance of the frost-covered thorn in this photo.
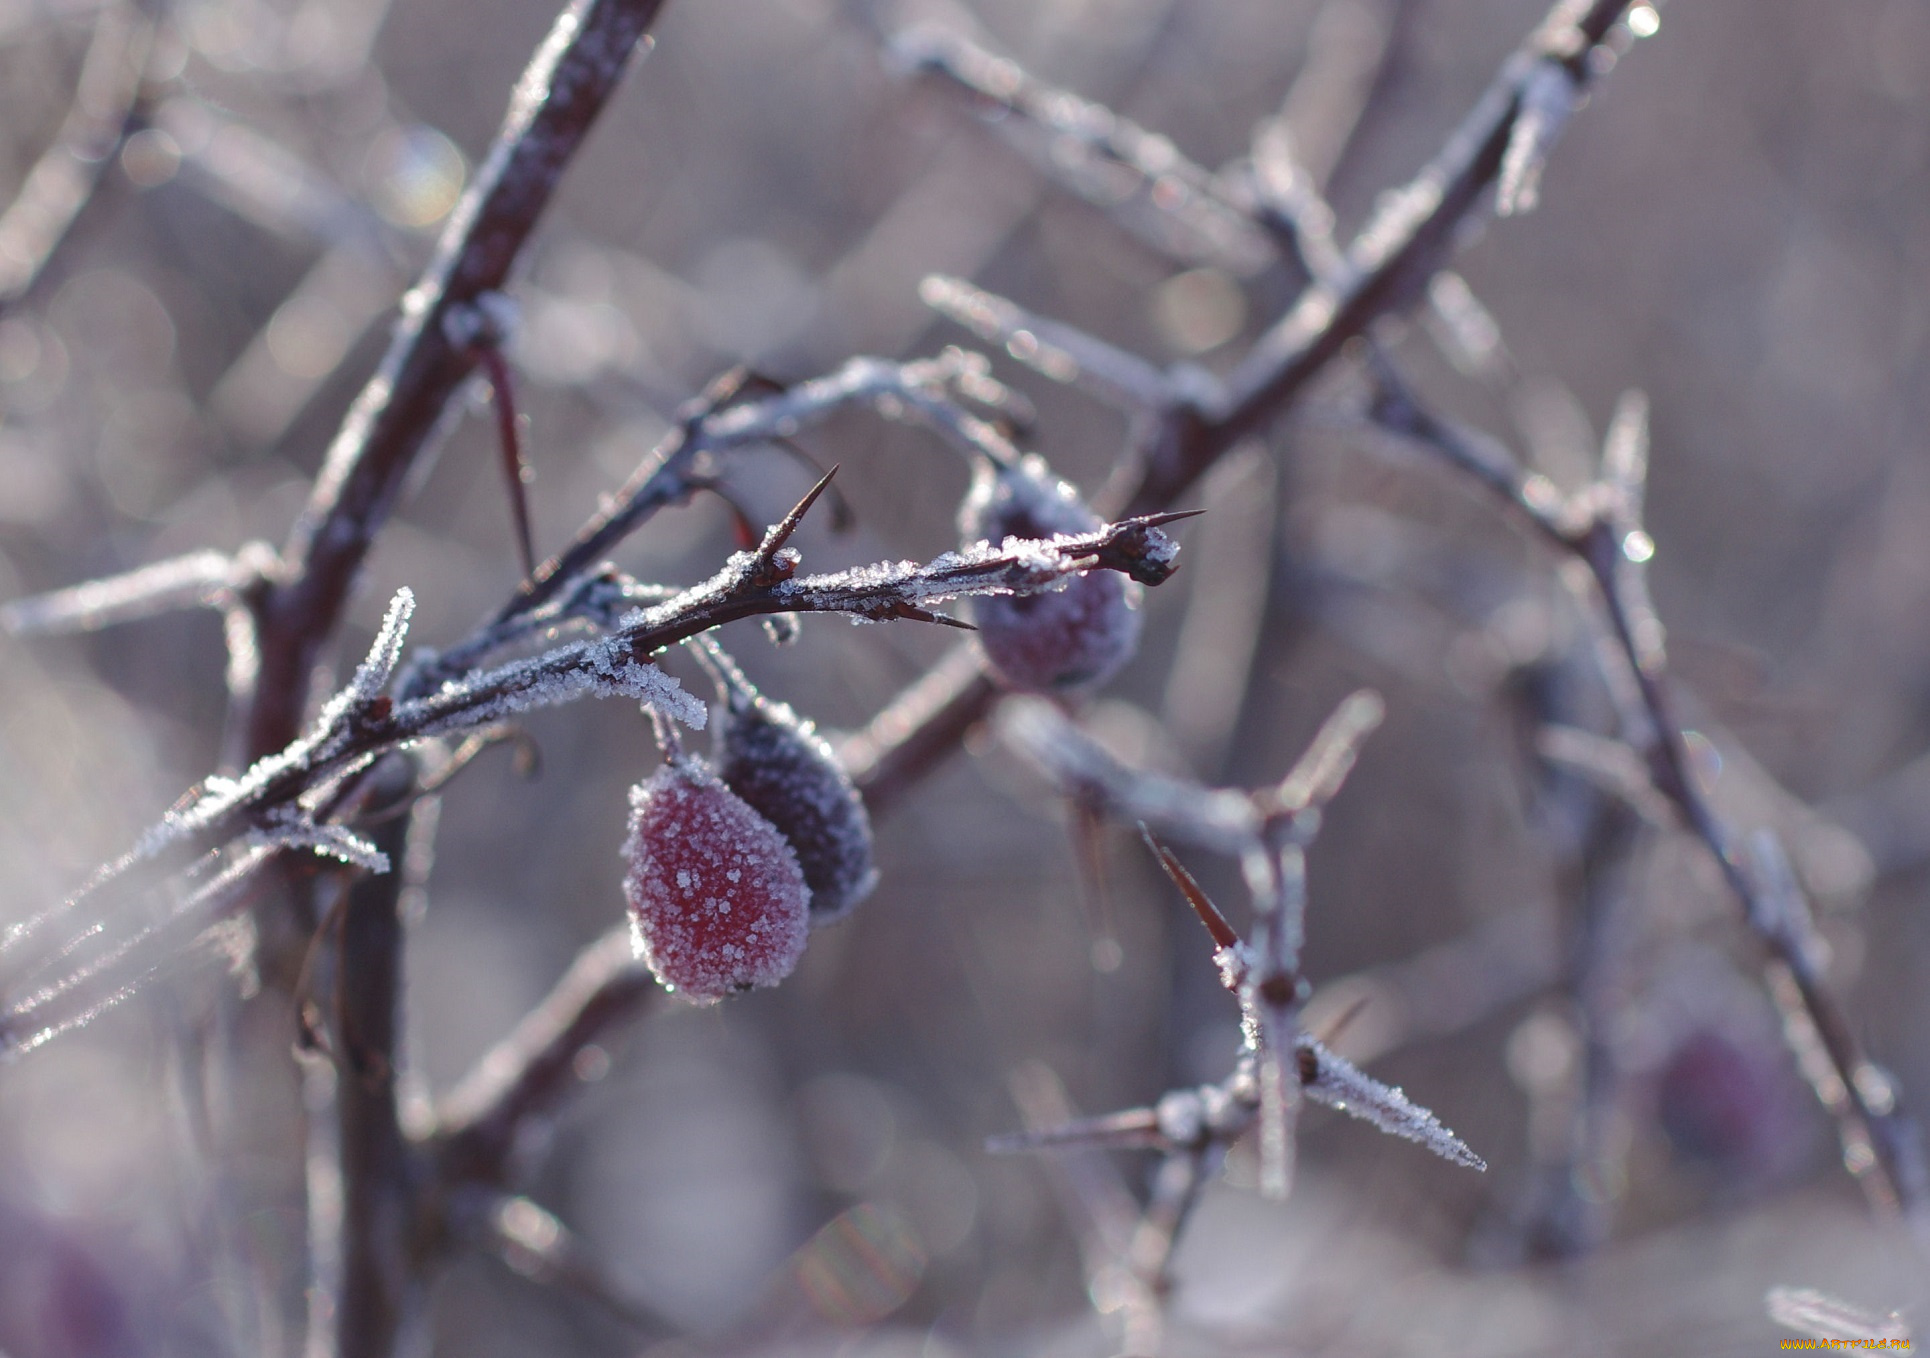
(372, 675)
(768, 566)
(1222, 933)
(1339, 1084)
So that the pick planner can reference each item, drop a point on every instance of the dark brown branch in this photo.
(381, 1283)
(565, 87)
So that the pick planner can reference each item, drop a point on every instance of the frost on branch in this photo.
(372, 675)
(1059, 351)
(291, 829)
(196, 580)
(1341, 1085)
(291, 823)
(601, 667)
(1220, 1114)
(1267, 831)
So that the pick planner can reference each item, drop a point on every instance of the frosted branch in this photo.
(197, 580)
(1548, 99)
(1061, 352)
(1599, 526)
(1339, 1084)
(1177, 206)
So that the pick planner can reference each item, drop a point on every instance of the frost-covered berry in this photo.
(1068, 638)
(717, 900)
(781, 766)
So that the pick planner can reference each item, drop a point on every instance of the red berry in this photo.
(1068, 638)
(785, 770)
(717, 900)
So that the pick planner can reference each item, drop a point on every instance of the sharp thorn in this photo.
(515, 469)
(1216, 925)
(842, 517)
(1161, 520)
(781, 531)
(913, 613)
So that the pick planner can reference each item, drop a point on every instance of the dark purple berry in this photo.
(1070, 638)
(778, 763)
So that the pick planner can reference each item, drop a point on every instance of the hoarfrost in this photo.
(1340, 1084)
(778, 763)
(330, 841)
(602, 668)
(700, 930)
(198, 579)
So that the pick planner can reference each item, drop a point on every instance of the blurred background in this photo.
(1738, 224)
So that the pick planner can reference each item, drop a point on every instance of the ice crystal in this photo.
(1340, 1084)
(788, 774)
(717, 900)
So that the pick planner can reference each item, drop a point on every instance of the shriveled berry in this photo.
(1070, 638)
(787, 772)
(717, 900)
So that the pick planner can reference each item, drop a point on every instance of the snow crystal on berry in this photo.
(779, 764)
(717, 900)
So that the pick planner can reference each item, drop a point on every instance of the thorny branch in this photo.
(1184, 426)
(287, 799)
(689, 460)
(399, 412)
(300, 788)
(1196, 420)
(1601, 528)
(1194, 1128)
